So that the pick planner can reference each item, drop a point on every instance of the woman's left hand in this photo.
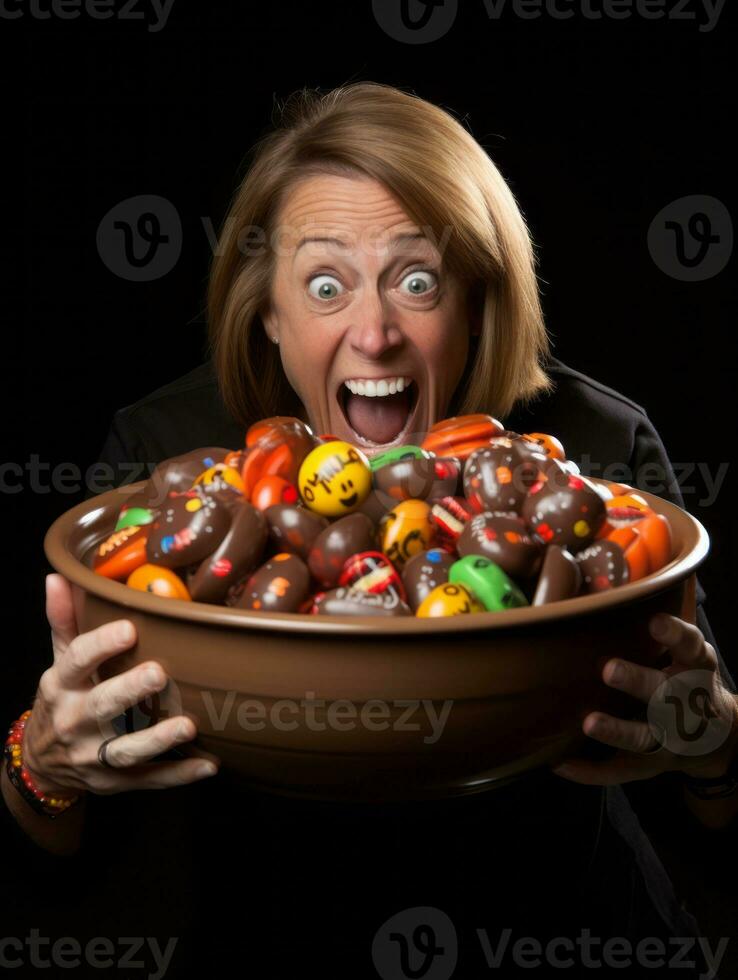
(641, 754)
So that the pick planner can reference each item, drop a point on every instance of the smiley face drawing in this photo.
(334, 479)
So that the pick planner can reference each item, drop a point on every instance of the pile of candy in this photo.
(477, 518)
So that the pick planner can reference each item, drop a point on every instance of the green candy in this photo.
(494, 589)
(134, 517)
(392, 456)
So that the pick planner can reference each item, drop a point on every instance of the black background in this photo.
(597, 125)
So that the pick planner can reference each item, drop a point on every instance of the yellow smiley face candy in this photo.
(449, 599)
(334, 479)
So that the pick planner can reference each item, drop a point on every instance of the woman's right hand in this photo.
(65, 730)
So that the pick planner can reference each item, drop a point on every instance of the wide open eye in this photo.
(324, 287)
(420, 281)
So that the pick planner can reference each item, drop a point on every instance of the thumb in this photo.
(60, 613)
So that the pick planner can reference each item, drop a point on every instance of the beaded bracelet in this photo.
(49, 806)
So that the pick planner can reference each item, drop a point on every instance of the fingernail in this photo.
(206, 769)
(658, 627)
(123, 632)
(617, 673)
(152, 676)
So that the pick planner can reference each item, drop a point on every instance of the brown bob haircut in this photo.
(446, 183)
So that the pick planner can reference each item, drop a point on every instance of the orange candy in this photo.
(122, 552)
(270, 490)
(275, 447)
(461, 435)
(549, 444)
(161, 581)
(647, 544)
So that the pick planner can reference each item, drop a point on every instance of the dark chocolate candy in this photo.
(505, 540)
(238, 554)
(416, 477)
(559, 578)
(603, 566)
(497, 478)
(180, 472)
(336, 543)
(189, 527)
(563, 509)
(347, 601)
(424, 572)
(280, 585)
(293, 528)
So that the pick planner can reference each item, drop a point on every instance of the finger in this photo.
(112, 697)
(622, 768)
(631, 736)
(137, 747)
(161, 775)
(685, 641)
(187, 750)
(640, 682)
(88, 650)
(60, 613)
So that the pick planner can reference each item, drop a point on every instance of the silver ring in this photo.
(102, 752)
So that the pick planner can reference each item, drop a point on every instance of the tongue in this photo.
(378, 419)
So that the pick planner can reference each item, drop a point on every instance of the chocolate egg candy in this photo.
(406, 530)
(563, 509)
(189, 527)
(487, 582)
(549, 444)
(334, 479)
(340, 540)
(603, 566)
(347, 601)
(122, 552)
(560, 577)
(424, 572)
(235, 557)
(374, 506)
(294, 529)
(503, 539)
(220, 477)
(281, 585)
(417, 478)
(371, 571)
(158, 580)
(449, 599)
(461, 435)
(180, 472)
(497, 478)
(276, 446)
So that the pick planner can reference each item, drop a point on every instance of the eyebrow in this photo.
(397, 240)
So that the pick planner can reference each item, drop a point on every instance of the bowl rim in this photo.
(56, 548)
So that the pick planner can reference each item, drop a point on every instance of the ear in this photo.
(269, 322)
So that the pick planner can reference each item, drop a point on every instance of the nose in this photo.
(373, 330)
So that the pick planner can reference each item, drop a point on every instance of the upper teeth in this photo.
(377, 389)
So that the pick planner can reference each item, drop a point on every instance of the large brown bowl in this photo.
(333, 707)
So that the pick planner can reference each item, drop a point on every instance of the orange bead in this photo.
(159, 580)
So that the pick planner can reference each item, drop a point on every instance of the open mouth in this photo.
(382, 418)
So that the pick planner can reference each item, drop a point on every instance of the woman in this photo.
(372, 240)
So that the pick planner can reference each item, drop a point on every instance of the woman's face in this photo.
(371, 307)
